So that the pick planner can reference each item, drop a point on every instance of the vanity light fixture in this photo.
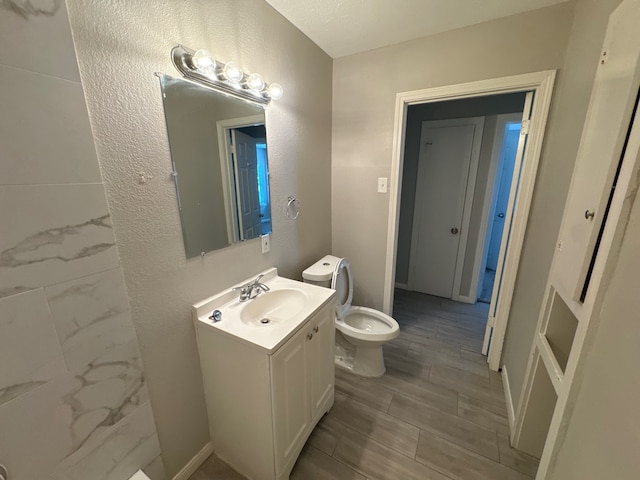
(200, 66)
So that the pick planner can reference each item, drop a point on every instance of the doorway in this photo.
(244, 166)
(505, 148)
(537, 106)
(462, 167)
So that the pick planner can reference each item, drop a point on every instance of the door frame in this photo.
(541, 83)
(470, 185)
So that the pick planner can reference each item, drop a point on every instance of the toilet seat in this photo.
(368, 324)
(342, 283)
(361, 323)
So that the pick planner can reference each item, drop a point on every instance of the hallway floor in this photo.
(437, 414)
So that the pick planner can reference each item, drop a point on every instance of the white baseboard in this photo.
(402, 286)
(509, 400)
(193, 464)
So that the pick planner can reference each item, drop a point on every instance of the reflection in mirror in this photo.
(219, 154)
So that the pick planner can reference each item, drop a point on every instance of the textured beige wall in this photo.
(603, 439)
(120, 45)
(571, 99)
(365, 86)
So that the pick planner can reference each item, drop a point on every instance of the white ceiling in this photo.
(344, 27)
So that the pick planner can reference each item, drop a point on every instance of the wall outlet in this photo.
(382, 185)
(266, 243)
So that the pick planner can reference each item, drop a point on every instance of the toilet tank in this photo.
(321, 272)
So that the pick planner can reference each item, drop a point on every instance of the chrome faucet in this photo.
(252, 289)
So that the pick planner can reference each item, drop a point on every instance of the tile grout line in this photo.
(444, 474)
(396, 451)
(499, 452)
(439, 435)
(336, 447)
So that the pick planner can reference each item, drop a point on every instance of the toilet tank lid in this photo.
(322, 270)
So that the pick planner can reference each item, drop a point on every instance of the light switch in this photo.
(266, 243)
(382, 185)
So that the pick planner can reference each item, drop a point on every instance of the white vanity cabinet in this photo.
(263, 405)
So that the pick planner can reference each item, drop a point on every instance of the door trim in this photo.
(541, 83)
(470, 184)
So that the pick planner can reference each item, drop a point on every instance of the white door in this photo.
(246, 166)
(444, 191)
(508, 218)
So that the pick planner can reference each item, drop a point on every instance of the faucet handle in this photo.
(245, 291)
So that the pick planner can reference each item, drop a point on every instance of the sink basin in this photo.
(273, 307)
(267, 321)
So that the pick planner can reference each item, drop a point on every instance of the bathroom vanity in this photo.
(268, 371)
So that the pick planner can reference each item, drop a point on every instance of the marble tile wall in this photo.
(73, 396)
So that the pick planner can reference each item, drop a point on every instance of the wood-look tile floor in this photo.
(437, 414)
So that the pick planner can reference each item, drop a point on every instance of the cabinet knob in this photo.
(589, 215)
(315, 329)
(309, 336)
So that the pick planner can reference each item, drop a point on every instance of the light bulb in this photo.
(275, 91)
(255, 82)
(233, 73)
(204, 62)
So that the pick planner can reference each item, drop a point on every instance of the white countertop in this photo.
(268, 337)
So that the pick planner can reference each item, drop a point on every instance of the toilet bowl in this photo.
(360, 331)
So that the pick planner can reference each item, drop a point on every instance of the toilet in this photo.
(360, 331)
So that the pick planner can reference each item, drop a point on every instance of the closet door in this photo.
(603, 139)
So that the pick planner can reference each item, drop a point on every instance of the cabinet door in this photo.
(321, 361)
(289, 390)
(603, 139)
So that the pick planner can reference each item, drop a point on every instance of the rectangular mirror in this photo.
(220, 164)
